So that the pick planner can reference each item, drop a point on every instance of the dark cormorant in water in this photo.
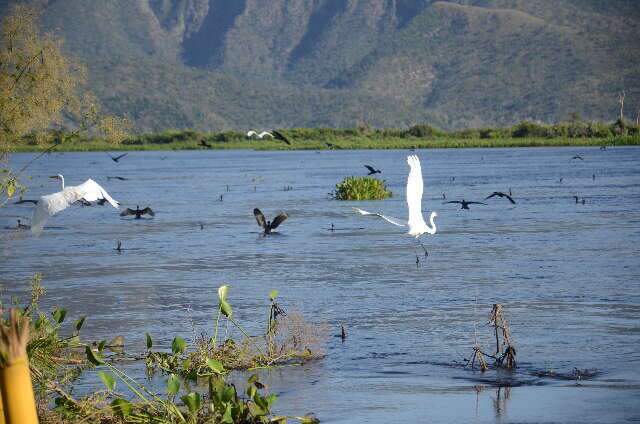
(138, 212)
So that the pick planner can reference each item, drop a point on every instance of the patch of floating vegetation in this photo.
(56, 361)
(361, 188)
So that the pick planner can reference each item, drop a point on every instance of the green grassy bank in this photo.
(420, 136)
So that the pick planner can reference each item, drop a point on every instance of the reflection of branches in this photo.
(500, 402)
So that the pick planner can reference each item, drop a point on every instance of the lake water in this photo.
(567, 274)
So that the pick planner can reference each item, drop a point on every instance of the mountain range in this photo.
(239, 64)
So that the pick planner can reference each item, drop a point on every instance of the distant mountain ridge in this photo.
(220, 64)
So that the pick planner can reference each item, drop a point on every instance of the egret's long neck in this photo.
(62, 180)
(433, 228)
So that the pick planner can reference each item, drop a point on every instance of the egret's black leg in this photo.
(426, 253)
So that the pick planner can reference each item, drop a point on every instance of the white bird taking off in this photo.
(261, 135)
(416, 224)
(51, 204)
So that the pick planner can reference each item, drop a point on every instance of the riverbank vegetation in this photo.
(524, 134)
(58, 355)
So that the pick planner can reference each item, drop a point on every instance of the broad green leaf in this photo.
(149, 341)
(101, 345)
(193, 402)
(222, 293)
(215, 366)
(178, 345)
(273, 294)
(108, 380)
(59, 314)
(251, 390)
(121, 407)
(11, 189)
(94, 357)
(227, 418)
(256, 410)
(261, 402)
(79, 322)
(271, 399)
(173, 385)
(279, 420)
(252, 379)
(226, 309)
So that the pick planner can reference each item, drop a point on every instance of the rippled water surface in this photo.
(567, 274)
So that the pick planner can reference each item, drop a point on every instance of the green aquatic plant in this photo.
(361, 188)
(57, 356)
(288, 338)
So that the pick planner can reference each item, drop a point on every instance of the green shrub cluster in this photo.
(361, 188)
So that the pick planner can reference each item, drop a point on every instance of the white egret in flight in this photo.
(261, 135)
(416, 224)
(51, 204)
(273, 134)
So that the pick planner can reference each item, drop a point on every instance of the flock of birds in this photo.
(90, 193)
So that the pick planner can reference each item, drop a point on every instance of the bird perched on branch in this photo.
(138, 212)
(269, 226)
(51, 204)
(464, 203)
(372, 170)
(501, 194)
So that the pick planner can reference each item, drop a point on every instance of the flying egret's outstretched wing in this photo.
(260, 218)
(92, 191)
(265, 134)
(251, 133)
(149, 211)
(279, 136)
(278, 220)
(414, 193)
(51, 204)
(389, 219)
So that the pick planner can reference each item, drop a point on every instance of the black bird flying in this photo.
(137, 212)
(501, 194)
(268, 226)
(372, 170)
(279, 136)
(578, 157)
(464, 203)
(117, 158)
(205, 144)
(117, 178)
